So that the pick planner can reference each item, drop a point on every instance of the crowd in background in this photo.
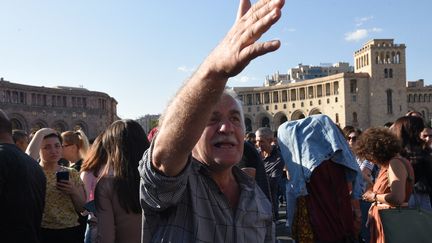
(99, 201)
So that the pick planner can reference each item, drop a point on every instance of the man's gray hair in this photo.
(265, 132)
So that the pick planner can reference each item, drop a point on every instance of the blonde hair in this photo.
(78, 138)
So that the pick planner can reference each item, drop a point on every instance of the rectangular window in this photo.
(310, 92)
(293, 96)
(284, 96)
(258, 99)
(248, 99)
(327, 89)
(266, 98)
(275, 97)
(336, 88)
(319, 91)
(353, 86)
(302, 93)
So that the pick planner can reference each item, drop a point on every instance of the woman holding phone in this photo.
(64, 191)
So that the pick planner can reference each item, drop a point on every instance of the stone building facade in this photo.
(62, 108)
(376, 92)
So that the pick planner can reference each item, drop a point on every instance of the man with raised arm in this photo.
(190, 189)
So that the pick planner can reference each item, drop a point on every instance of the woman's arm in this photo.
(35, 144)
(398, 175)
(76, 193)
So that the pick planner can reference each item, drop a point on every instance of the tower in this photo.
(385, 63)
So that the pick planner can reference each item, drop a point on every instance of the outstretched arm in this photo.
(187, 115)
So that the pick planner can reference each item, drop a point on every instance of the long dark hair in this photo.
(96, 157)
(125, 142)
(408, 129)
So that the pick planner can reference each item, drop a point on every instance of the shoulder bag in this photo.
(404, 224)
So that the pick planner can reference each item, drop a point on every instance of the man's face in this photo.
(426, 135)
(221, 143)
(51, 150)
(263, 142)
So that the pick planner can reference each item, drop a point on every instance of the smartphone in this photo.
(62, 175)
(90, 206)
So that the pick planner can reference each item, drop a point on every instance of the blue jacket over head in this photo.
(306, 143)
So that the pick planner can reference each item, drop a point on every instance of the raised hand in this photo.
(240, 45)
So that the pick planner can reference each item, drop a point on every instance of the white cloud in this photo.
(376, 30)
(356, 35)
(361, 20)
(243, 79)
(185, 69)
(360, 34)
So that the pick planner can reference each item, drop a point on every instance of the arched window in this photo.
(409, 98)
(337, 118)
(386, 75)
(16, 124)
(283, 119)
(265, 122)
(389, 93)
(390, 72)
(381, 57)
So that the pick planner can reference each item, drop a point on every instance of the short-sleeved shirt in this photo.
(22, 196)
(274, 164)
(190, 207)
(59, 210)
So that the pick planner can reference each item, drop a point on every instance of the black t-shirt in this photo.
(22, 196)
(251, 158)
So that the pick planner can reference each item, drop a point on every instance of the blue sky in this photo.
(141, 52)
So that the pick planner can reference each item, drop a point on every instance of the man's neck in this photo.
(265, 154)
(5, 138)
(228, 185)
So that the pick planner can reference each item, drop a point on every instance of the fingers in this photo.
(65, 186)
(259, 49)
(244, 6)
(259, 20)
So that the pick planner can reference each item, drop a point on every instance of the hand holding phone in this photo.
(62, 175)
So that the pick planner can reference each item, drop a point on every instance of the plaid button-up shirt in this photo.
(191, 208)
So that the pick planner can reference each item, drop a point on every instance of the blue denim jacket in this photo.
(309, 142)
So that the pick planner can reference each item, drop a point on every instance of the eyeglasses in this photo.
(49, 147)
(352, 138)
(427, 135)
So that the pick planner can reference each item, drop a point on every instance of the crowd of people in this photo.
(198, 178)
